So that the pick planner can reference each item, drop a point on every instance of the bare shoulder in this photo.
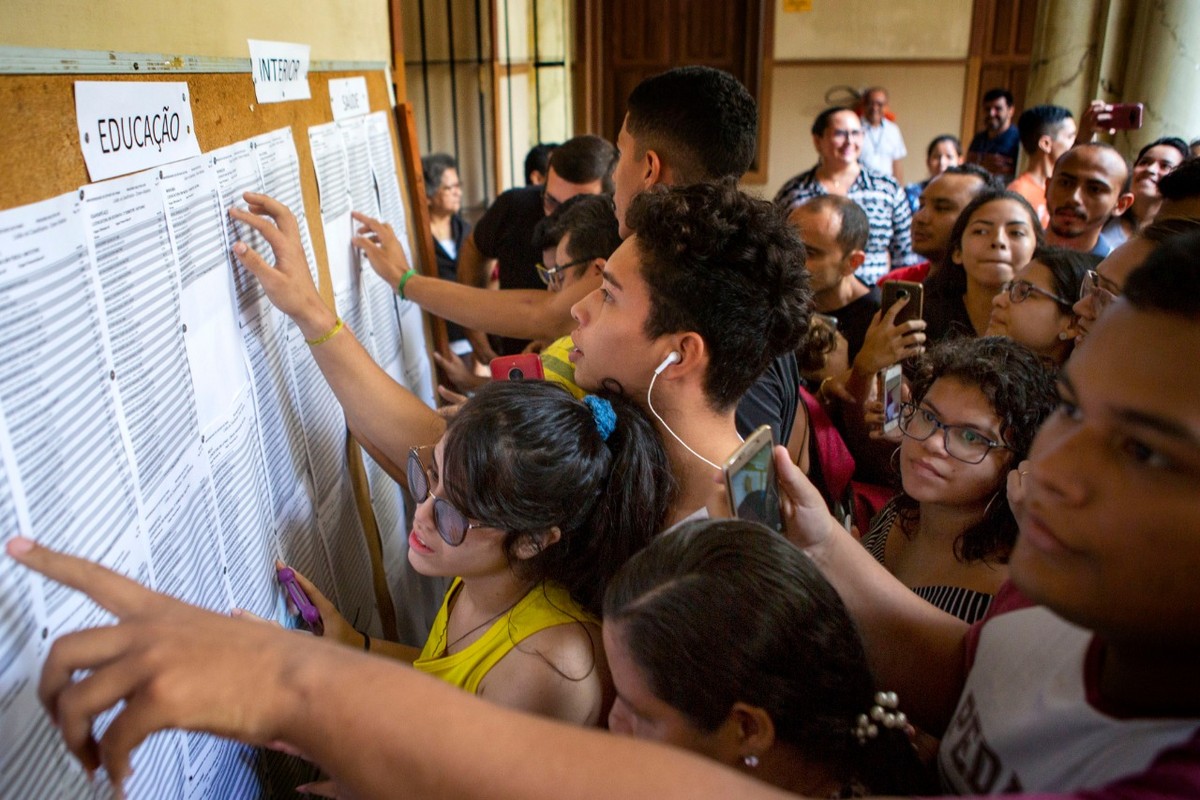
(558, 672)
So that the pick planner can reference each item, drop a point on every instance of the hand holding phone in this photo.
(308, 612)
(894, 291)
(750, 481)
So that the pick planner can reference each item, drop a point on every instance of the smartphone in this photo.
(1126, 116)
(308, 612)
(750, 481)
(890, 381)
(521, 367)
(893, 291)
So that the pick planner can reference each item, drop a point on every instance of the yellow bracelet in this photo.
(332, 333)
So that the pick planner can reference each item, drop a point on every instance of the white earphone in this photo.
(672, 358)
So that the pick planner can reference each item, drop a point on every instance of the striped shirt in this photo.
(887, 210)
(966, 604)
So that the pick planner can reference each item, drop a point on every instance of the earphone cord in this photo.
(668, 427)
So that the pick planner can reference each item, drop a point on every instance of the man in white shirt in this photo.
(882, 146)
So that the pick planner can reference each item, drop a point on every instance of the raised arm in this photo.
(915, 649)
(379, 728)
(392, 418)
(518, 313)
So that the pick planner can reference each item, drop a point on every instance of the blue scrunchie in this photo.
(602, 410)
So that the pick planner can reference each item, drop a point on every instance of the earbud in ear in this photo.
(672, 358)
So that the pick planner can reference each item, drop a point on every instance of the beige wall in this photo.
(875, 29)
(920, 47)
(338, 30)
(927, 100)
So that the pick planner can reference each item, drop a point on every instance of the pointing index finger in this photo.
(114, 592)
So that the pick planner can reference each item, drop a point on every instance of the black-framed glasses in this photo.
(1099, 288)
(961, 442)
(1020, 290)
(452, 524)
(552, 276)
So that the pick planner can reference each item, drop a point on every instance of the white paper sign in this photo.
(129, 126)
(279, 70)
(348, 96)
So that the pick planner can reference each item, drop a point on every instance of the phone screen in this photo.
(754, 493)
(892, 398)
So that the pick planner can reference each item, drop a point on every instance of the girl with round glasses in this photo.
(531, 501)
(976, 404)
(1034, 308)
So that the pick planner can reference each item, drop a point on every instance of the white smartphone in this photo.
(750, 481)
(890, 382)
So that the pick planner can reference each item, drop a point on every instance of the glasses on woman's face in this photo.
(1020, 290)
(452, 524)
(553, 276)
(1099, 288)
(961, 442)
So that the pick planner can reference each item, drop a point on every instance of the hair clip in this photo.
(605, 416)
(882, 713)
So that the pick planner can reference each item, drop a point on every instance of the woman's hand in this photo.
(289, 284)
(887, 343)
(458, 373)
(337, 627)
(378, 242)
(807, 521)
(173, 665)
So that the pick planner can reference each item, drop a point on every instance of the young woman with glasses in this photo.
(531, 501)
(1034, 308)
(976, 404)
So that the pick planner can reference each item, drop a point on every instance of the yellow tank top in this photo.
(557, 366)
(545, 606)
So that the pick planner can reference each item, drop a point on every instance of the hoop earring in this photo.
(987, 510)
(894, 461)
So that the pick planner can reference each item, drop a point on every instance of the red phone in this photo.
(1126, 116)
(521, 367)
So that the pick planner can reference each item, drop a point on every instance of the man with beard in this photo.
(1085, 192)
(996, 147)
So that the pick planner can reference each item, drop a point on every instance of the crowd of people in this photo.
(986, 582)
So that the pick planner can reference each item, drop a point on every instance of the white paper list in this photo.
(73, 472)
(139, 284)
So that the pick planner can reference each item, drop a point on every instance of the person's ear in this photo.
(752, 730)
(1124, 201)
(956, 256)
(653, 169)
(532, 544)
(1068, 327)
(596, 267)
(852, 261)
(693, 355)
(1045, 144)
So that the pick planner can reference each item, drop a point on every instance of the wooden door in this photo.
(1001, 48)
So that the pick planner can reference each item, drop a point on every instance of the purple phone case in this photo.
(308, 612)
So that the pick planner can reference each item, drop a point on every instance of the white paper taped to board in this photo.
(348, 97)
(127, 126)
(279, 71)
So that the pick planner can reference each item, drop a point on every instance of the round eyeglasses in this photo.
(452, 524)
(962, 443)
(1020, 290)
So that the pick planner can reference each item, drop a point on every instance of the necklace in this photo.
(487, 621)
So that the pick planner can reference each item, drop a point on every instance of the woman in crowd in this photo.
(994, 237)
(944, 151)
(443, 192)
(1153, 161)
(1034, 308)
(531, 501)
(778, 693)
(976, 404)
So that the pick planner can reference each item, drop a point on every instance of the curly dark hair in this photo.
(526, 456)
(1019, 386)
(729, 267)
(724, 611)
